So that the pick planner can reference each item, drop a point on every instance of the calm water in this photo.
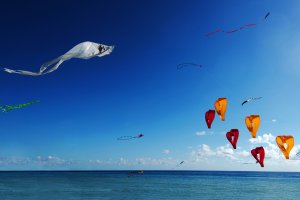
(152, 185)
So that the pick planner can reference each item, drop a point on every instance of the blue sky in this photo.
(87, 104)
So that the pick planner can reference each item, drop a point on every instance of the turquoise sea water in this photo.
(151, 185)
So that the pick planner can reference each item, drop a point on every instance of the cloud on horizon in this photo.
(202, 157)
(206, 152)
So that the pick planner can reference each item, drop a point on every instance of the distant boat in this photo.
(136, 172)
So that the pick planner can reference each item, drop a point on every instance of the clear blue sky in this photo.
(87, 104)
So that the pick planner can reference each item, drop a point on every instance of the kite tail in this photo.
(180, 66)
(51, 62)
(250, 25)
(55, 67)
(125, 138)
(57, 62)
(21, 72)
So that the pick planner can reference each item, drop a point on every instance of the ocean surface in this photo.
(152, 185)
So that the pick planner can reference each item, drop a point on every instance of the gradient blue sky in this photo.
(87, 104)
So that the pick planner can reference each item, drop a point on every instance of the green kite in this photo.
(7, 108)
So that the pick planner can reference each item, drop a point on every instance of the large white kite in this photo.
(84, 50)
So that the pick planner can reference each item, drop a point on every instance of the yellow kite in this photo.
(221, 106)
(285, 144)
(252, 123)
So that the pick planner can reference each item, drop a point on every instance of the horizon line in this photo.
(148, 171)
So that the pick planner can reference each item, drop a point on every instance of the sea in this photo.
(151, 185)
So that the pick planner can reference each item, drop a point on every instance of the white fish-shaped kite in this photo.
(84, 50)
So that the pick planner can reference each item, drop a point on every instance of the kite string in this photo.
(182, 65)
(126, 138)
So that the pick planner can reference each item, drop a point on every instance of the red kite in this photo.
(234, 30)
(259, 154)
(229, 32)
(232, 137)
(209, 117)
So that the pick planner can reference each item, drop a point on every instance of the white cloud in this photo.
(266, 138)
(13, 161)
(205, 152)
(37, 161)
(243, 153)
(54, 162)
(155, 162)
(294, 151)
(274, 120)
(50, 159)
(202, 157)
(223, 132)
(200, 133)
(166, 151)
(225, 151)
(100, 162)
(123, 161)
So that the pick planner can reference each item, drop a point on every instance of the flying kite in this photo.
(130, 137)
(259, 155)
(252, 123)
(233, 136)
(182, 65)
(229, 31)
(234, 30)
(178, 164)
(209, 117)
(221, 106)
(84, 50)
(7, 108)
(285, 144)
(267, 15)
(251, 99)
